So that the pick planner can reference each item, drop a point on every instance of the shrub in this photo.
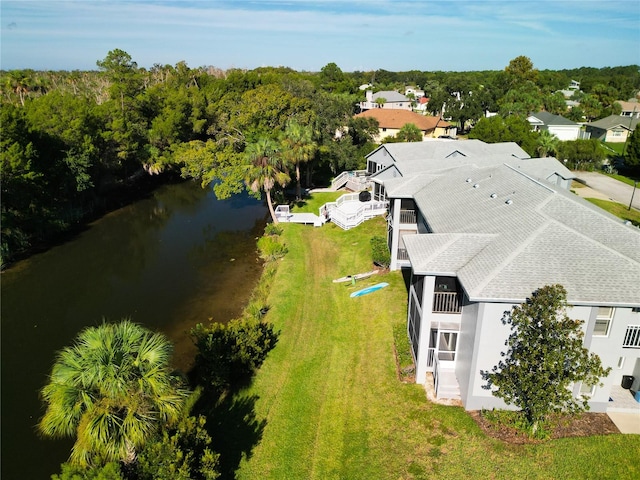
(273, 229)
(271, 249)
(229, 355)
(380, 252)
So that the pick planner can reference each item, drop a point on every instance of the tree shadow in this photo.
(234, 428)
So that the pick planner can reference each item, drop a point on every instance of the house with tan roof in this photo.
(629, 109)
(480, 227)
(390, 121)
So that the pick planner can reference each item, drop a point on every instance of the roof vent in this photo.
(468, 180)
(509, 201)
(475, 185)
(493, 195)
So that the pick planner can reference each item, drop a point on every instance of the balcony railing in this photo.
(403, 254)
(446, 302)
(408, 216)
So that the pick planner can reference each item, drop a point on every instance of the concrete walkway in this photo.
(607, 188)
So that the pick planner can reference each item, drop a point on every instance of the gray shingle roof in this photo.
(390, 96)
(550, 119)
(503, 252)
(612, 121)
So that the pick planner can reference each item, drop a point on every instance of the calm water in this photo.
(167, 262)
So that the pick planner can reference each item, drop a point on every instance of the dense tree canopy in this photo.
(74, 142)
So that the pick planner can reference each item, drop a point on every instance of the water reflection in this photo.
(168, 262)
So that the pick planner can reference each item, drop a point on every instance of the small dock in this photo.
(284, 215)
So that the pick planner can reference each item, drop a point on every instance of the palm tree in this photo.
(265, 169)
(112, 390)
(547, 143)
(298, 147)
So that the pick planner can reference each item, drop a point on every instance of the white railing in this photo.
(632, 337)
(435, 374)
(446, 302)
(408, 216)
(352, 218)
(355, 180)
(431, 354)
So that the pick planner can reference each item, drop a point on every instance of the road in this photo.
(610, 188)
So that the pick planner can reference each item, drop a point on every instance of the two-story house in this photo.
(483, 226)
(390, 122)
(388, 99)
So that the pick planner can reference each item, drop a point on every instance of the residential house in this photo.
(385, 99)
(480, 227)
(629, 109)
(416, 92)
(563, 128)
(421, 105)
(391, 121)
(614, 128)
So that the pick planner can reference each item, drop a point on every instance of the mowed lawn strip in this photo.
(333, 407)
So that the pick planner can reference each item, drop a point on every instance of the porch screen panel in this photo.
(414, 326)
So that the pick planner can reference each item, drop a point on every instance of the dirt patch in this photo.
(582, 425)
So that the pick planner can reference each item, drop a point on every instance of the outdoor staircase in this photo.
(355, 180)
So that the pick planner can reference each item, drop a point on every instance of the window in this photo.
(603, 322)
(632, 337)
(587, 390)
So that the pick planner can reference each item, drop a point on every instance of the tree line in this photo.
(75, 144)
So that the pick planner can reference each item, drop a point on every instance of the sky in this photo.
(305, 35)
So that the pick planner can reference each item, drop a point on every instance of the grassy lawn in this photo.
(617, 147)
(618, 209)
(332, 405)
(622, 178)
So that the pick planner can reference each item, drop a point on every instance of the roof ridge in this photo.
(514, 253)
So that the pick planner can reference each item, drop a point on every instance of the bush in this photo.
(273, 229)
(380, 252)
(229, 355)
(271, 249)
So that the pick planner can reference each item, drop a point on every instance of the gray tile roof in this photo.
(390, 96)
(612, 121)
(503, 252)
(550, 119)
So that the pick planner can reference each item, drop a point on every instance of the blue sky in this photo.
(452, 35)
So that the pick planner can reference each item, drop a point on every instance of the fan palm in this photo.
(112, 389)
(265, 170)
(298, 147)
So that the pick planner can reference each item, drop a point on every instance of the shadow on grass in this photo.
(234, 429)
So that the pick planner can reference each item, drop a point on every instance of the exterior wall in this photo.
(616, 135)
(482, 338)
(610, 351)
(381, 158)
(482, 330)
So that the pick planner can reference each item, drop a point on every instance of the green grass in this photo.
(618, 209)
(628, 180)
(617, 147)
(312, 204)
(331, 402)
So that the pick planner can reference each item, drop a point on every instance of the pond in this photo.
(169, 261)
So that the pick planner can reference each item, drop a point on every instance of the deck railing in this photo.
(403, 254)
(355, 180)
(446, 302)
(408, 216)
(352, 218)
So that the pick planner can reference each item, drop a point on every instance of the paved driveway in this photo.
(611, 188)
